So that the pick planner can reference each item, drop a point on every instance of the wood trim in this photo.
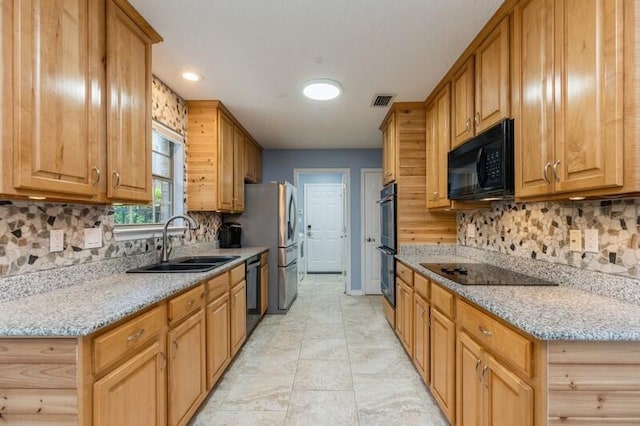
(139, 20)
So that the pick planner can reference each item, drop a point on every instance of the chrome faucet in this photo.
(164, 252)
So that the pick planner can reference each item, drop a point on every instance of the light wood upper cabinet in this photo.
(76, 101)
(253, 161)
(438, 145)
(480, 93)
(568, 96)
(128, 108)
(52, 152)
(389, 150)
(216, 159)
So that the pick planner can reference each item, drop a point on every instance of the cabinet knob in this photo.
(116, 179)
(96, 172)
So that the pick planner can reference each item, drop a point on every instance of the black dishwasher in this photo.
(253, 292)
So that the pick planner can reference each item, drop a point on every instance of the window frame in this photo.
(142, 231)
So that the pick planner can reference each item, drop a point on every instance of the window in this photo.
(167, 168)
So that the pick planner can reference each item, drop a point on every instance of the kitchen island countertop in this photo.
(82, 309)
(547, 313)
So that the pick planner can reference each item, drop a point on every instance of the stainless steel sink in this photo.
(185, 264)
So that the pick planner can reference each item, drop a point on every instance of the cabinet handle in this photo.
(435, 196)
(485, 331)
(164, 360)
(555, 170)
(189, 303)
(467, 124)
(116, 179)
(175, 349)
(136, 336)
(97, 173)
(477, 119)
(544, 172)
(477, 371)
(484, 372)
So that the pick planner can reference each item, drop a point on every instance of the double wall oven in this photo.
(387, 202)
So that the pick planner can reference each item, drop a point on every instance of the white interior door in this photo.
(371, 186)
(324, 227)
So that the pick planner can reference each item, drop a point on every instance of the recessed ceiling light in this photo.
(322, 89)
(192, 76)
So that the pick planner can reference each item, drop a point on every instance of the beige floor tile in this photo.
(312, 374)
(258, 392)
(335, 349)
(404, 418)
(324, 331)
(240, 418)
(391, 393)
(392, 361)
(317, 408)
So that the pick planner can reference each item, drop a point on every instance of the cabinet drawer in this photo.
(182, 305)
(421, 286)
(134, 333)
(405, 273)
(237, 274)
(264, 258)
(497, 337)
(442, 299)
(217, 286)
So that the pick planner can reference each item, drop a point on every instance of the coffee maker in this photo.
(230, 235)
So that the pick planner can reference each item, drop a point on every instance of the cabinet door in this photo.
(238, 170)
(134, 393)
(462, 104)
(225, 162)
(443, 361)
(187, 368)
(389, 150)
(400, 309)
(469, 386)
(492, 97)
(407, 317)
(588, 131)
(249, 160)
(438, 148)
(421, 336)
(264, 288)
(238, 316)
(129, 108)
(509, 400)
(218, 338)
(57, 87)
(533, 96)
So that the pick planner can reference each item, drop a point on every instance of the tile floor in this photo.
(332, 360)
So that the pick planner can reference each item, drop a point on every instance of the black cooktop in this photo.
(483, 274)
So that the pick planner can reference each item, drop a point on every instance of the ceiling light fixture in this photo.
(192, 76)
(322, 89)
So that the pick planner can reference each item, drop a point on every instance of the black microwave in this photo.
(482, 167)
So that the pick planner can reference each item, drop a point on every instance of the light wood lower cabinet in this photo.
(218, 339)
(421, 336)
(187, 368)
(238, 295)
(443, 373)
(134, 394)
(404, 314)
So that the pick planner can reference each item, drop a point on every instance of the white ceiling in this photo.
(255, 56)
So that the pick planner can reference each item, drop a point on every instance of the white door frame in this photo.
(347, 212)
(363, 245)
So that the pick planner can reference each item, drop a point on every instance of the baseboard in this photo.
(359, 292)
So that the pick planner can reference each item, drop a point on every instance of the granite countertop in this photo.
(547, 313)
(81, 309)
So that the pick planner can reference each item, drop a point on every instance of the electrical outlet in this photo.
(591, 241)
(471, 231)
(575, 240)
(92, 238)
(56, 240)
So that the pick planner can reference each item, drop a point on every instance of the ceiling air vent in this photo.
(381, 101)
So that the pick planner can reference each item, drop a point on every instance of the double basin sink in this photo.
(186, 264)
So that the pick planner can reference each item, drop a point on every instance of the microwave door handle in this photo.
(480, 168)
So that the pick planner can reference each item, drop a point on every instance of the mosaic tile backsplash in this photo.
(25, 226)
(541, 231)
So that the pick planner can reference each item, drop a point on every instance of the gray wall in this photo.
(279, 165)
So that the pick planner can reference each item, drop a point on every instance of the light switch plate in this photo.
(56, 240)
(575, 240)
(591, 241)
(471, 231)
(92, 238)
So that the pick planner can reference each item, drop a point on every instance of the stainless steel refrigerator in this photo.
(271, 219)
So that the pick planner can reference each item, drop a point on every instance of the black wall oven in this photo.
(387, 250)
